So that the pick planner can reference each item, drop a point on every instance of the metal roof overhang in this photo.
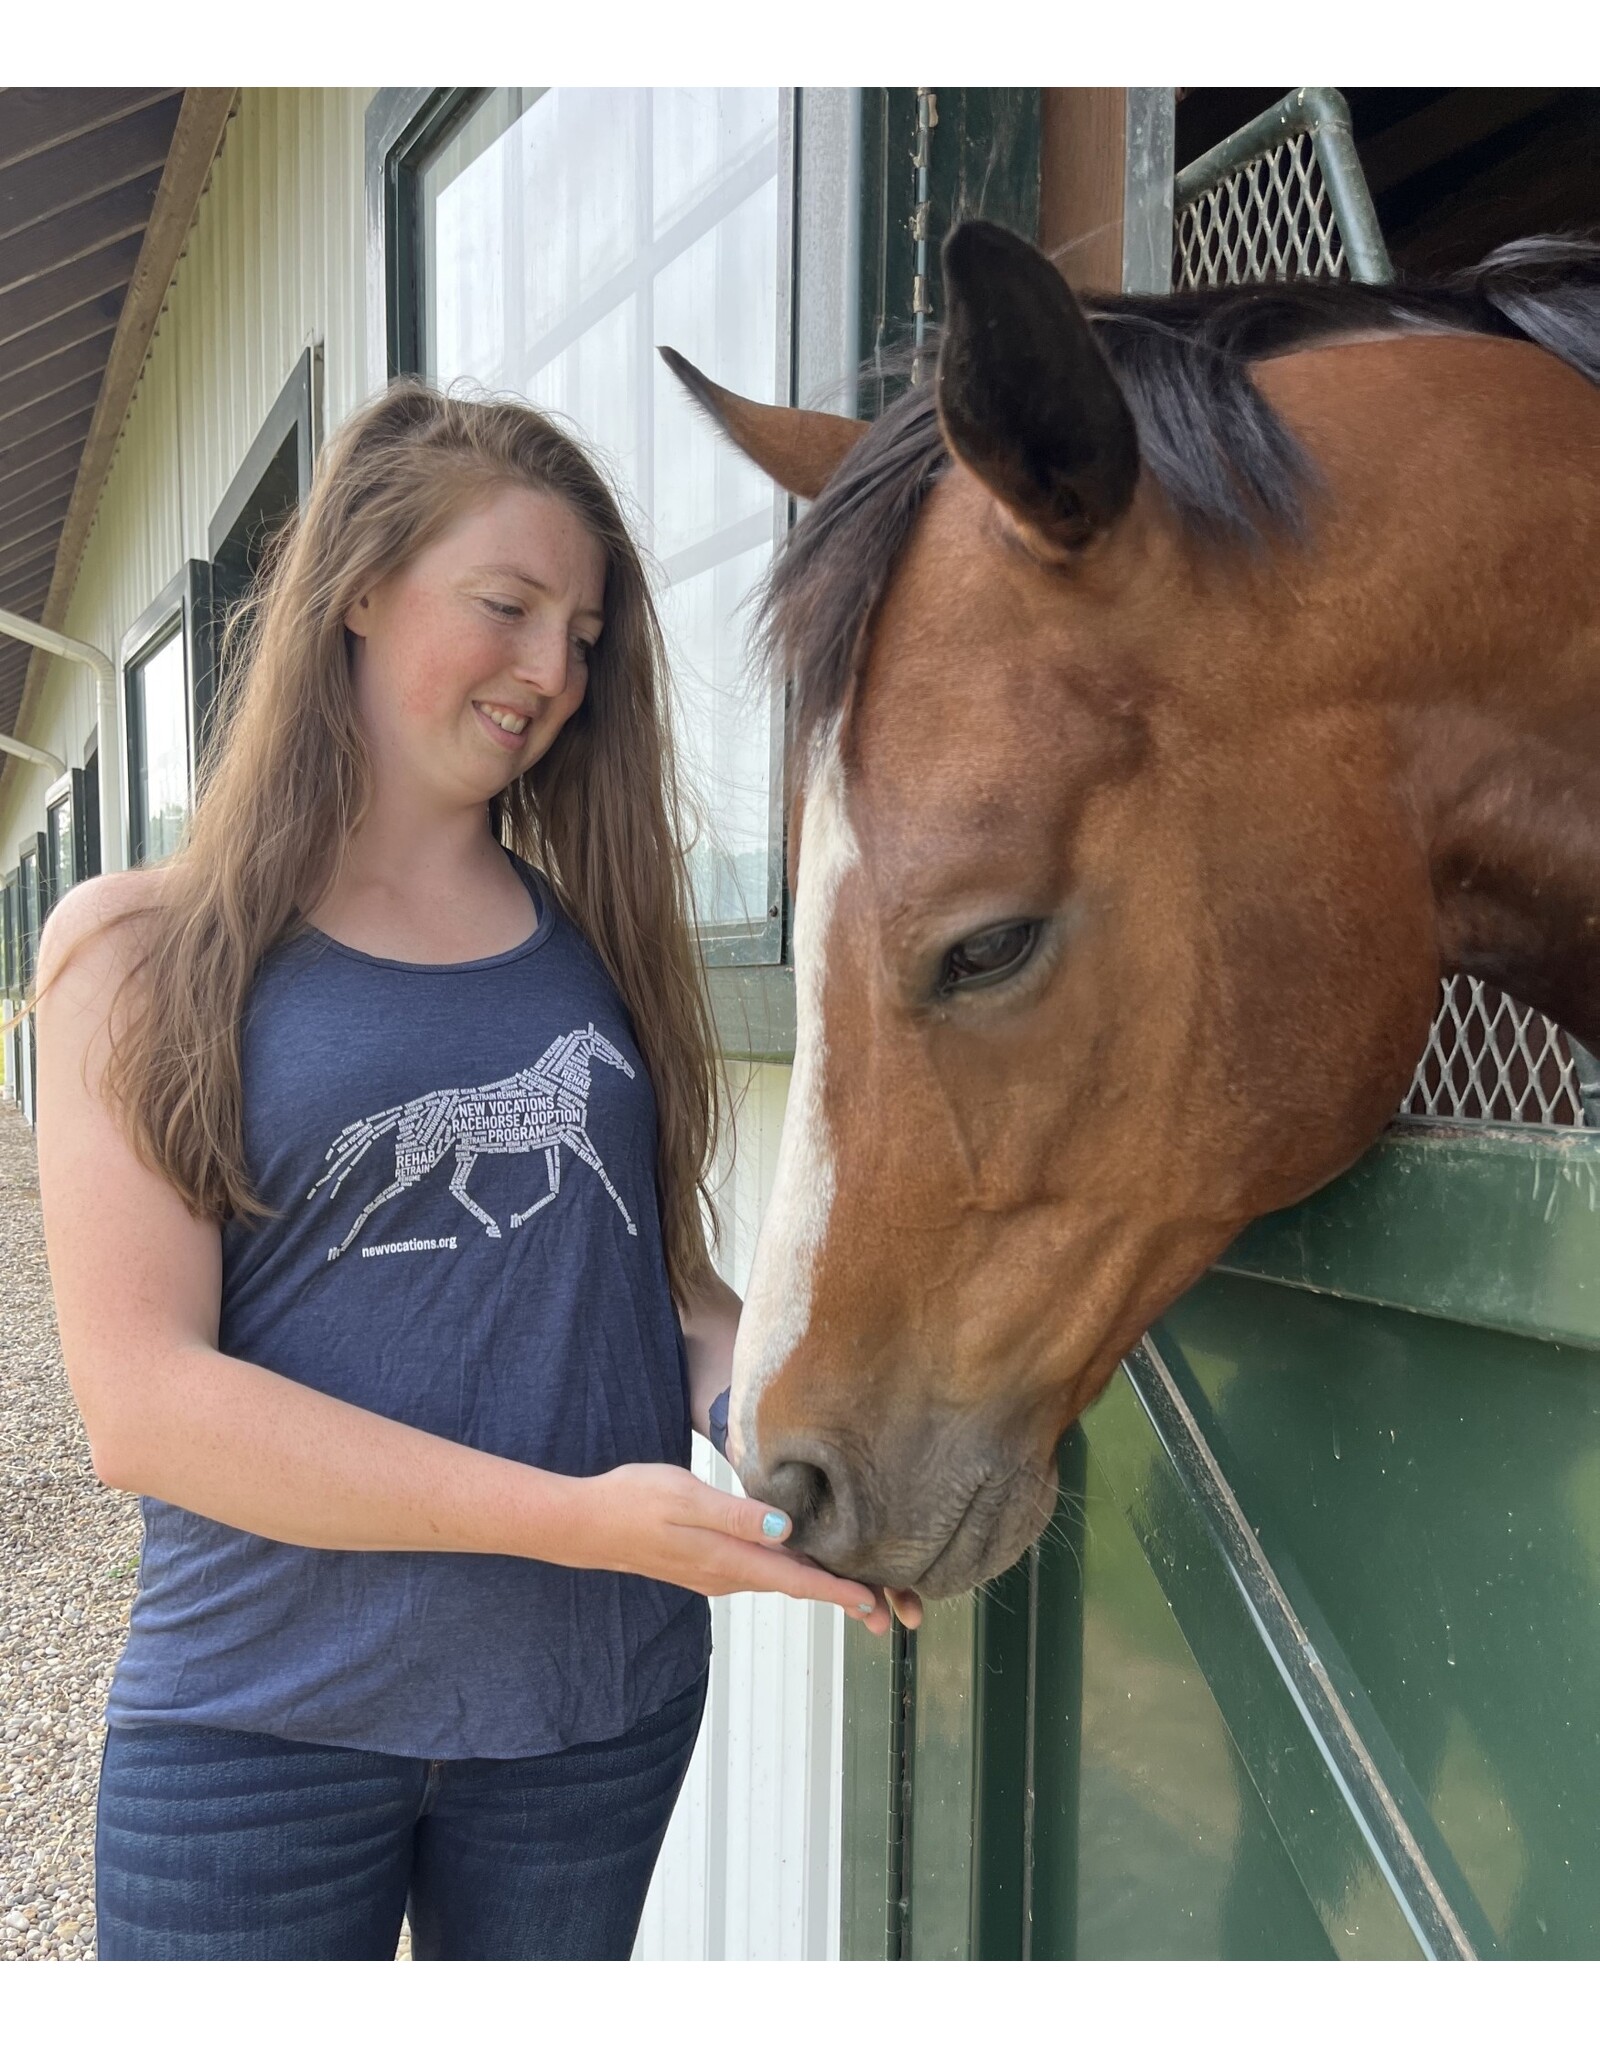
(98, 189)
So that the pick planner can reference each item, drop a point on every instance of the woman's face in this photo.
(470, 659)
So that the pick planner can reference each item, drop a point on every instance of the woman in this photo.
(373, 1135)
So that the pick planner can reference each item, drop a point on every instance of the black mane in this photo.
(1228, 465)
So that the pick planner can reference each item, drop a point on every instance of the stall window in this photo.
(163, 669)
(10, 975)
(86, 814)
(555, 236)
(158, 747)
(59, 843)
(31, 908)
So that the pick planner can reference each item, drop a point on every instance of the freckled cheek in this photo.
(440, 673)
(425, 698)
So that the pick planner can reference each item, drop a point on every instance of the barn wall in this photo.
(751, 1863)
(273, 263)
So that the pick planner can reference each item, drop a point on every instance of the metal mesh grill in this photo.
(1490, 1059)
(1271, 218)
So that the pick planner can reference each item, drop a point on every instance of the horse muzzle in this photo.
(939, 1526)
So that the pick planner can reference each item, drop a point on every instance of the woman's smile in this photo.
(504, 726)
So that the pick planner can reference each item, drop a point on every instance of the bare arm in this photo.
(138, 1286)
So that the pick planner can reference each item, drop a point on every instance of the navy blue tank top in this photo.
(462, 1164)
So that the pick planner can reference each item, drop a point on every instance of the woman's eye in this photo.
(988, 956)
(503, 611)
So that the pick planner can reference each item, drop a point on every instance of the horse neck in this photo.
(1458, 599)
(566, 1064)
(1514, 853)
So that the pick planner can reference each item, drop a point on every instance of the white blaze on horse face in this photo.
(777, 1306)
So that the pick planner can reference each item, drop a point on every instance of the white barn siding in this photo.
(276, 262)
(750, 1868)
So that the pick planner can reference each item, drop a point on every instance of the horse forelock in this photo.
(1228, 466)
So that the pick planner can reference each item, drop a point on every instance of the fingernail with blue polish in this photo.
(865, 1606)
(774, 1524)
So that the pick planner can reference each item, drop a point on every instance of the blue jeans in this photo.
(212, 1846)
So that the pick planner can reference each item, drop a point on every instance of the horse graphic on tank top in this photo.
(542, 1108)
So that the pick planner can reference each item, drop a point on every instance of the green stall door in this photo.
(1307, 1663)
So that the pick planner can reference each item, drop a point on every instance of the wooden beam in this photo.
(74, 171)
(25, 597)
(57, 475)
(85, 277)
(40, 343)
(124, 210)
(65, 437)
(202, 122)
(44, 507)
(1082, 156)
(42, 414)
(33, 118)
(38, 546)
(55, 373)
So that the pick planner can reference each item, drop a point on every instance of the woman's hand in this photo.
(662, 1523)
(905, 1605)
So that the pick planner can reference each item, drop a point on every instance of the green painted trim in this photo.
(1055, 1714)
(1497, 1228)
(1324, 1839)
(869, 1905)
(970, 1776)
(753, 1011)
(942, 1865)
(983, 159)
(1002, 1838)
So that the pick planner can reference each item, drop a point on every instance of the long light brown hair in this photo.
(286, 780)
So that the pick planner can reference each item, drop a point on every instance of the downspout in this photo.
(110, 733)
(41, 757)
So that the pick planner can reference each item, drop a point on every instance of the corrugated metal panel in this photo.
(751, 1862)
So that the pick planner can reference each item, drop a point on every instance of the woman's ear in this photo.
(357, 617)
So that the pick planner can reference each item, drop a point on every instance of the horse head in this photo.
(1114, 921)
(594, 1046)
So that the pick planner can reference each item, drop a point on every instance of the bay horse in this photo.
(1180, 688)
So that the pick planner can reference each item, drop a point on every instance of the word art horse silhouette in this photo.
(537, 1109)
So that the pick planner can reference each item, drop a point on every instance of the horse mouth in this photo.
(1000, 1519)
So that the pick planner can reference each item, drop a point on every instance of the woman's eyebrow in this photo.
(533, 582)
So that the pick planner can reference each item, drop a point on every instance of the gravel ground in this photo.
(68, 1555)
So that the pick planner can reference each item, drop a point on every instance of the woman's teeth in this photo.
(508, 721)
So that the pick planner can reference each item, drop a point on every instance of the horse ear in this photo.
(798, 450)
(1026, 399)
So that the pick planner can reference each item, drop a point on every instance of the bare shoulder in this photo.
(91, 936)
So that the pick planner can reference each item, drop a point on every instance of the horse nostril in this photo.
(806, 1494)
(801, 1490)
(812, 1488)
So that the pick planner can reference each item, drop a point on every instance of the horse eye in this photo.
(988, 956)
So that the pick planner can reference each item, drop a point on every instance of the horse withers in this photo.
(1180, 688)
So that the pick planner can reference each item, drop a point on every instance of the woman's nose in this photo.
(544, 662)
